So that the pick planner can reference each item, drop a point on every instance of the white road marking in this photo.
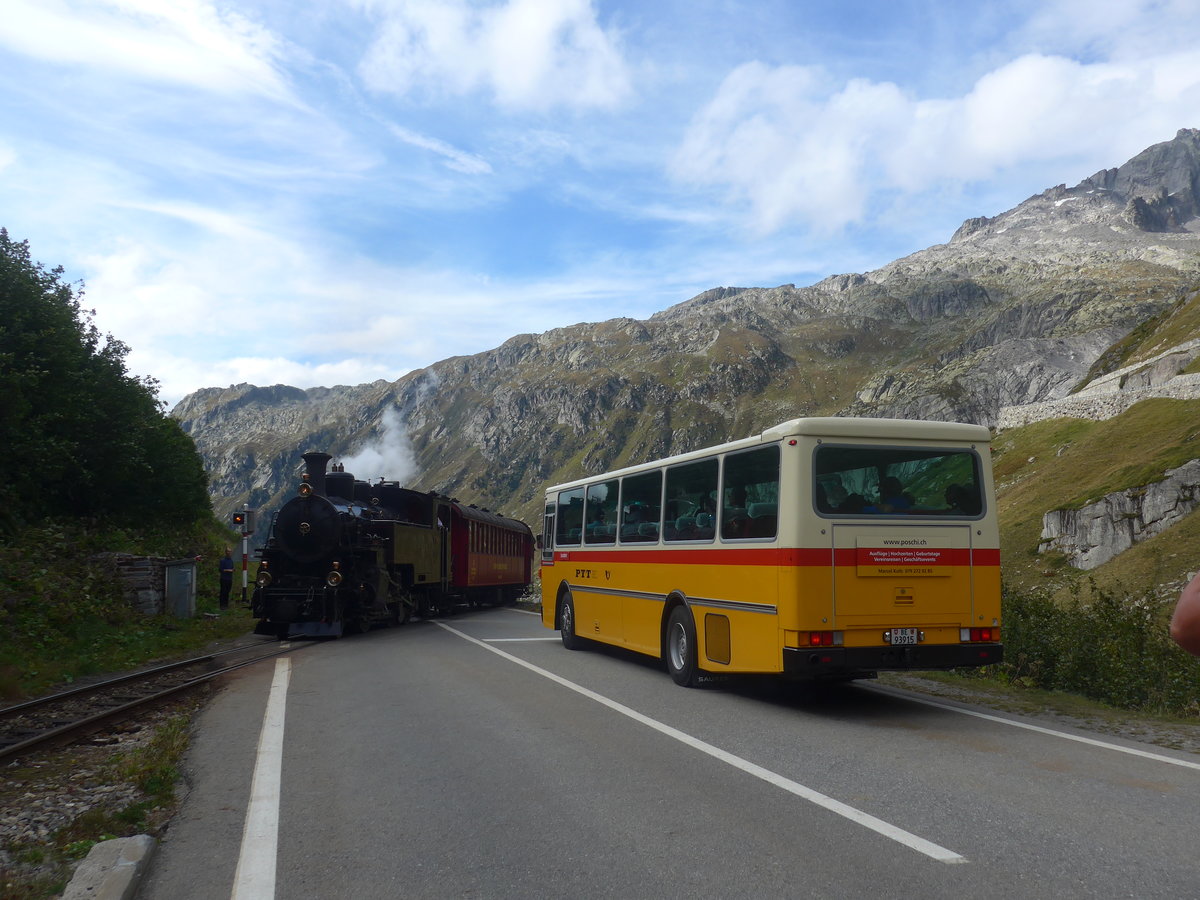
(1132, 751)
(930, 849)
(255, 876)
(524, 612)
(519, 640)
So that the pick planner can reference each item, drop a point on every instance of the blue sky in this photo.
(317, 193)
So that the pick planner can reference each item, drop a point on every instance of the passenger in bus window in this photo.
(893, 497)
(962, 501)
(734, 521)
(632, 521)
(855, 503)
(835, 496)
(1185, 624)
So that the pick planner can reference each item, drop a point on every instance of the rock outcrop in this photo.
(1097, 532)
(1099, 402)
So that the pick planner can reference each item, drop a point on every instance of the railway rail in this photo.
(62, 717)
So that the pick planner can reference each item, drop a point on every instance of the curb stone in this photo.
(112, 869)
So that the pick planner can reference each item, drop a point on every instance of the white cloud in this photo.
(458, 160)
(790, 148)
(210, 298)
(529, 54)
(787, 147)
(189, 42)
(1120, 30)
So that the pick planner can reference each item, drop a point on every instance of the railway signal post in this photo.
(243, 521)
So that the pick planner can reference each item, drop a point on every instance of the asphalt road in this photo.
(475, 757)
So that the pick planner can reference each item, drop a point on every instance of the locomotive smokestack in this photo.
(314, 467)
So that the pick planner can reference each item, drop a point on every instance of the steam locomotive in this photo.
(344, 555)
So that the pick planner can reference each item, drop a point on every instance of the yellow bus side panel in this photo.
(623, 603)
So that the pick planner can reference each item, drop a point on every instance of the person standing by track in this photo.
(225, 569)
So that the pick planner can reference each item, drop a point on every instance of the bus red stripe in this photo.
(801, 556)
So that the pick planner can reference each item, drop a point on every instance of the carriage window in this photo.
(569, 528)
(641, 507)
(601, 513)
(896, 481)
(750, 494)
(690, 513)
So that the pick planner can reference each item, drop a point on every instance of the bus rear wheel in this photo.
(681, 647)
(566, 624)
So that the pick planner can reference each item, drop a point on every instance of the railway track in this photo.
(63, 717)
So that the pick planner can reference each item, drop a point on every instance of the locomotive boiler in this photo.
(343, 555)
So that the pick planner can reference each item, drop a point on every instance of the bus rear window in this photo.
(896, 481)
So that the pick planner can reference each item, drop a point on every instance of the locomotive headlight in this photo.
(334, 578)
(263, 579)
(305, 489)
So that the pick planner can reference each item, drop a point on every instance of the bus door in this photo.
(547, 541)
(897, 574)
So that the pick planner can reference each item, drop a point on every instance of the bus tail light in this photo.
(979, 635)
(825, 639)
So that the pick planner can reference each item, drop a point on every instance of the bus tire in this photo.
(681, 647)
(566, 624)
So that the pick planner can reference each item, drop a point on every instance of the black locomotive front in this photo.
(323, 568)
(344, 555)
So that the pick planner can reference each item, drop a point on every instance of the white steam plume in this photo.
(389, 455)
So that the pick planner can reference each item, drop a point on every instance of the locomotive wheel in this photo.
(681, 647)
(566, 624)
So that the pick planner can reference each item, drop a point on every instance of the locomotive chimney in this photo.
(314, 467)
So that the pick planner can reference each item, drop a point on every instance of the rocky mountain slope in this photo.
(1026, 307)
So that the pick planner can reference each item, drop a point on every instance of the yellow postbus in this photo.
(822, 548)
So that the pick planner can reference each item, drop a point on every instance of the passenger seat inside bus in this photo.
(764, 519)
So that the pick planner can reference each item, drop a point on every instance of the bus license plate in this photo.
(904, 636)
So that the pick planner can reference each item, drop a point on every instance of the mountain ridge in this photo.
(1019, 308)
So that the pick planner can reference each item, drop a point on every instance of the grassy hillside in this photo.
(1067, 463)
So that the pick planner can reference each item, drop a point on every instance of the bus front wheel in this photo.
(681, 647)
(566, 624)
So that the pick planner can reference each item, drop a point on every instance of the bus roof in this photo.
(817, 426)
(912, 429)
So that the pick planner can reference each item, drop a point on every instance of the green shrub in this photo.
(1112, 649)
(64, 615)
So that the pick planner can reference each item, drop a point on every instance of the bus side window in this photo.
(569, 528)
(691, 495)
(641, 508)
(601, 513)
(750, 498)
